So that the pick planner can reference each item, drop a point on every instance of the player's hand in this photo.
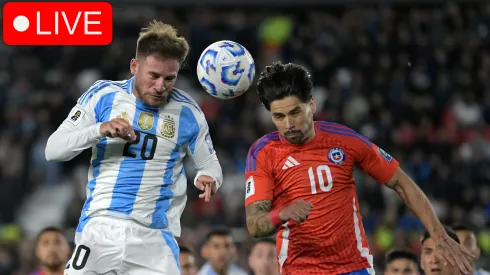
(298, 211)
(206, 184)
(118, 127)
(452, 253)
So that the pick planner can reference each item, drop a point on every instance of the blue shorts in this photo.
(364, 271)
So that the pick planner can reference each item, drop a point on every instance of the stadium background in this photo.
(415, 79)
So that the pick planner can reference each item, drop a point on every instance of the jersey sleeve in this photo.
(372, 159)
(259, 182)
(202, 151)
(80, 129)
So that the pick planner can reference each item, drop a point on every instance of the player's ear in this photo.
(312, 105)
(132, 66)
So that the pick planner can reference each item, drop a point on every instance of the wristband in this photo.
(274, 217)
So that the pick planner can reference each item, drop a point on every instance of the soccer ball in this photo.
(225, 69)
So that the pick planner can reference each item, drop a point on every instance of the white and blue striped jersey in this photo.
(144, 180)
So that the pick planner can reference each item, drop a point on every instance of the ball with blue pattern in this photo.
(226, 69)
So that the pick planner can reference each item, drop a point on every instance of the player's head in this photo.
(218, 249)
(187, 261)
(428, 260)
(159, 55)
(468, 239)
(401, 262)
(262, 259)
(286, 91)
(52, 248)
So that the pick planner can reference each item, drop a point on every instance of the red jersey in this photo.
(332, 240)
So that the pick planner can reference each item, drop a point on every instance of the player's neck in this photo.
(219, 271)
(310, 135)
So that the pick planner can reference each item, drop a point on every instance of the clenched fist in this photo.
(298, 211)
(118, 127)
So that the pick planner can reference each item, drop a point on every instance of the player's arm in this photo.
(85, 125)
(259, 192)
(203, 154)
(78, 132)
(385, 169)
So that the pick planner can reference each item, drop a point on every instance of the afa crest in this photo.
(145, 121)
(168, 127)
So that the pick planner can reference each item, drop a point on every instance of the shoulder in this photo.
(340, 131)
(264, 143)
(181, 98)
(102, 88)
(186, 107)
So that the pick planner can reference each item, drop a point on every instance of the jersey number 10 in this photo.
(321, 180)
(144, 154)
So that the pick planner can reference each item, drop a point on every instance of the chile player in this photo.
(299, 183)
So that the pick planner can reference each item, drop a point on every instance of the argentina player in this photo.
(139, 130)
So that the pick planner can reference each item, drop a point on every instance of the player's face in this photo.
(155, 77)
(52, 250)
(468, 240)
(219, 251)
(430, 263)
(402, 267)
(262, 259)
(187, 264)
(293, 118)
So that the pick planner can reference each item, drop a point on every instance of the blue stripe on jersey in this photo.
(188, 129)
(170, 241)
(337, 129)
(103, 108)
(251, 164)
(101, 147)
(131, 170)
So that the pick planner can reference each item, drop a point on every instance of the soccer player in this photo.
(429, 262)
(52, 251)
(468, 239)
(262, 259)
(140, 130)
(187, 261)
(299, 183)
(401, 262)
(218, 250)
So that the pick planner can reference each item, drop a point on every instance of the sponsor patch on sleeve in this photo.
(76, 116)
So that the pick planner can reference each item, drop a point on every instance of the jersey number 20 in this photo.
(144, 154)
(320, 170)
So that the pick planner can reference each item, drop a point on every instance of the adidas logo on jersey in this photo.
(290, 162)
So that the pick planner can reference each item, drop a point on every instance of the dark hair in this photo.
(223, 232)
(401, 254)
(279, 80)
(449, 232)
(462, 227)
(185, 249)
(161, 39)
(49, 229)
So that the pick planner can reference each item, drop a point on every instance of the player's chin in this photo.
(155, 101)
(295, 139)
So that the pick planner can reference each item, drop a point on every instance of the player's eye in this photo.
(170, 78)
(154, 75)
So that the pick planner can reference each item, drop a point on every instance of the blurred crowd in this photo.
(413, 79)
